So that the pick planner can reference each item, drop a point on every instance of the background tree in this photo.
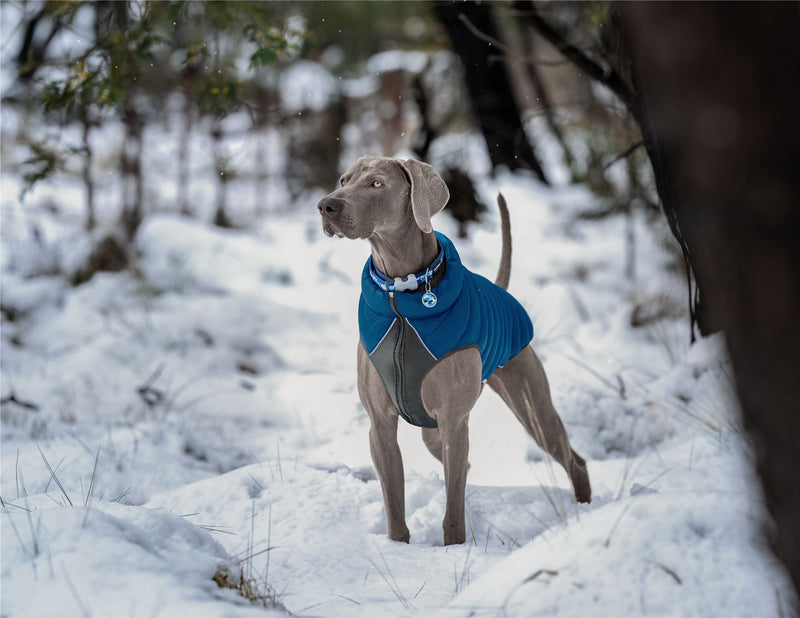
(491, 95)
(139, 51)
(721, 109)
(718, 119)
(601, 56)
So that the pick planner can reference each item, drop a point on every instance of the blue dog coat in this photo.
(405, 338)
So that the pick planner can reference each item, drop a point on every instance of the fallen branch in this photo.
(12, 398)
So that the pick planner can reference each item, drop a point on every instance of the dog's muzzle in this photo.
(331, 208)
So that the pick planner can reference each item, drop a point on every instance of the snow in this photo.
(214, 386)
(396, 60)
(306, 85)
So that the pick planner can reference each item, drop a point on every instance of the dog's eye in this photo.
(377, 183)
(342, 181)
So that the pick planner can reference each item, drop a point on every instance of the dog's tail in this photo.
(504, 272)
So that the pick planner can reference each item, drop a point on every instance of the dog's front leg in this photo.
(383, 445)
(455, 440)
(449, 391)
(389, 464)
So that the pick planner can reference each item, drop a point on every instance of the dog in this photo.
(432, 333)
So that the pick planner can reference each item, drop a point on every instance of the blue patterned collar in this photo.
(410, 282)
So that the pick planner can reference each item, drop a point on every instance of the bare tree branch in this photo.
(505, 48)
(605, 76)
(630, 150)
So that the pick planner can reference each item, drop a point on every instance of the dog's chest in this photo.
(405, 339)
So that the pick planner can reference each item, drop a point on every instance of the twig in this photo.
(84, 610)
(150, 395)
(464, 572)
(508, 51)
(12, 398)
(16, 474)
(616, 523)
(252, 539)
(606, 76)
(620, 389)
(53, 475)
(628, 151)
(22, 545)
(393, 583)
(269, 542)
(527, 580)
(92, 481)
(670, 572)
(628, 458)
(47, 486)
(91, 489)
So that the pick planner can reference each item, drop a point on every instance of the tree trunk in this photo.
(546, 107)
(33, 48)
(88, 180)
(187, 123)
(720, 98)
(222, 175)
(617, 77)
(528, 82)
(131, 169)
(488, 84)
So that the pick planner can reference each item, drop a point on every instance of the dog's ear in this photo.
(429, 194)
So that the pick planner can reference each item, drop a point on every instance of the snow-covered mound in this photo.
(200, 413)
(113, 560)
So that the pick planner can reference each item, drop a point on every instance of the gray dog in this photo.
(432, 333)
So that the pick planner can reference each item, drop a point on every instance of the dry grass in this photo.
(248, 588)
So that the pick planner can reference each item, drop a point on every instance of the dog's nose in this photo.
(329, 205)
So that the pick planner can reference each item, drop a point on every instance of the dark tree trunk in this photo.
(488, 84)
(617, 77)
(424, 138)
(720, 95)
(222, 174)
(131, 169)
(33, 48)
(112, 17)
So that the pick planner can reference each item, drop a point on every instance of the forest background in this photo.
(235, 113)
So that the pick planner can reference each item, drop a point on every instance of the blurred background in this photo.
(230, 111)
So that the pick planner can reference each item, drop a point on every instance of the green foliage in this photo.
(269, 43)
(218, 97)
(134, 51)
(43, 163)
(361, 29)
(597, 12)
(40, 165)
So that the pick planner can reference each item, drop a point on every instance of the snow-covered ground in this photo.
(197, 415)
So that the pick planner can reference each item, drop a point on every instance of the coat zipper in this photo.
(398, 350)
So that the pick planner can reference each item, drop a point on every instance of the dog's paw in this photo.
(580, 479)
(401, 535)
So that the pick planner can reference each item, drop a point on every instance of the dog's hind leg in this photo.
(432, 439)
(522, 384)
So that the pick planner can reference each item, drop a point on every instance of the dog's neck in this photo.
(398, 255)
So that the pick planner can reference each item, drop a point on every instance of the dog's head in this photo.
(380, 194)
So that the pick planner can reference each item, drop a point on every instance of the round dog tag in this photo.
(429, 299)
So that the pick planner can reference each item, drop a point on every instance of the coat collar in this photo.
(408, 283)
(409, 303)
